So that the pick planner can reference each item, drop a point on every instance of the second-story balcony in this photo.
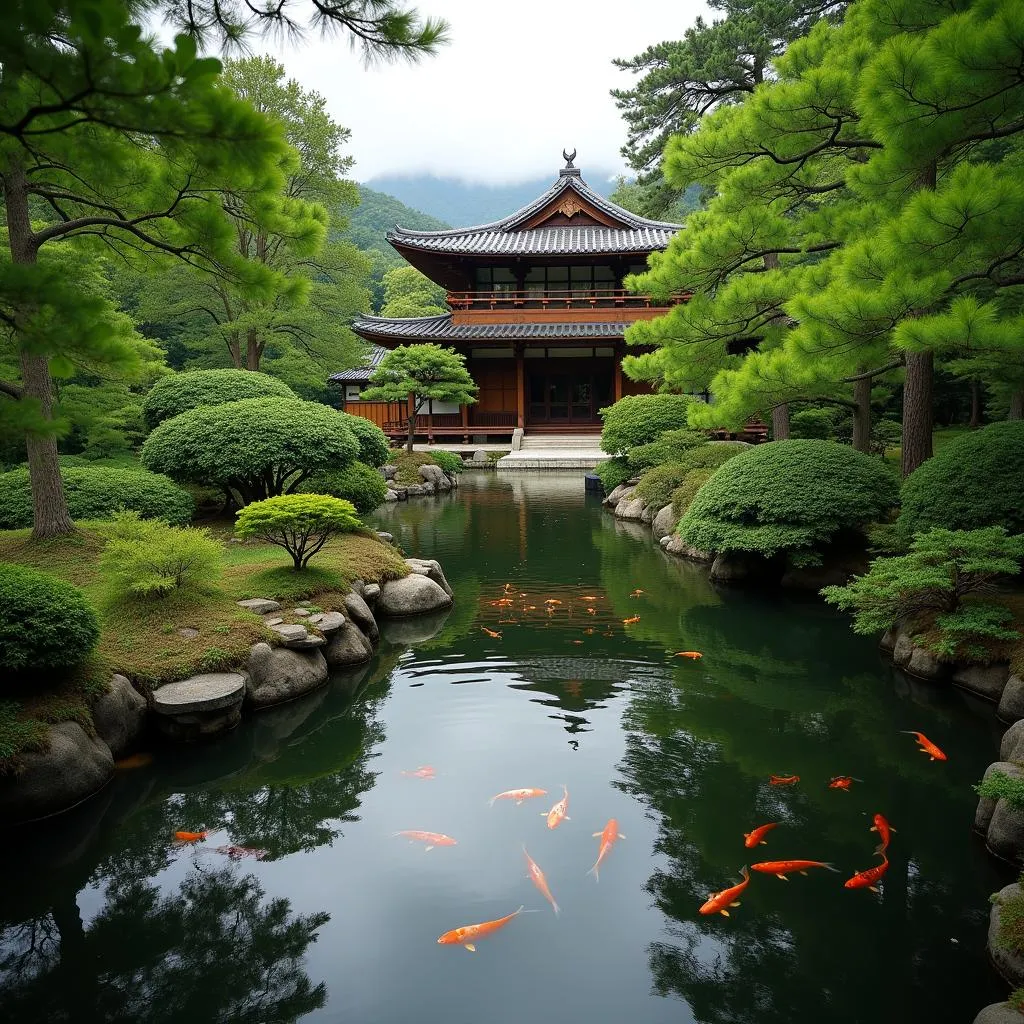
(556, 299)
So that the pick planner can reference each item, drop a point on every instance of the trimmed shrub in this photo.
(712, 455)
(613, 472)
(812, 423)
(683, 495)
(976, 480)
(45, 623)
(667, 448)
(450, 462)
(147, 557)
(180, 392)
(374, 449)
(640, 419)
(361, 484)
(300, 523)
(98, 492)
(258, 448)
(788, 497)
(657, 484)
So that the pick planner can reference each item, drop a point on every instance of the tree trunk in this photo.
(50, 516)
(412, 431)
(975, 405)
(862, 415)
(252, 350)
(917, 411)
(780, 423)
(1016, 405)
(235, 349)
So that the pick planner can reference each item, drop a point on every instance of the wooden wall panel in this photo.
(496, 379)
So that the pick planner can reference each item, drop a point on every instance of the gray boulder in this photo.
(277, 674)
(209, 691)
(888, 640)
(1011, 747)
(432, 474)
(1011, 701)
(647, 516)
(430, 568)
(298, 638)
(327, 622)
(480, 456)
(119, 715)
(986, 681)
(415, 630)
(1005, 836)
(389, 472)
(926, 665)
(386, 537)
(412, 595)
(348, 646)
(371, 592)
(1007, 962)
(734, 566)
(359, 612)
(617, 494)
(630, 508)
(987, 805)
(998, 1013)
(664, 523)
(390, 495)
(259, 605)
(902, 650)
(71, 769)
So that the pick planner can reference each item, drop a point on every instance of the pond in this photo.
(336, 918)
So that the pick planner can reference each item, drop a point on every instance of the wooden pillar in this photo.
(618, 371)
(520, 388)
(464, 409)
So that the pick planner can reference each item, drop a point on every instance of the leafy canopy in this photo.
(409, 293)
(373, 442)
(180, 392)
(641, 419)
(427, 371)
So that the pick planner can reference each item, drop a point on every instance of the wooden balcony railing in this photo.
(569, 298)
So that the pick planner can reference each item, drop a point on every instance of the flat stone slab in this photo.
(327, 622)
(207, 692)
(301, 612)
(259, 605)
(297, 637)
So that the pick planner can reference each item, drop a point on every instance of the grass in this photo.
(142, 639)
(1011, 921)
(408, 464)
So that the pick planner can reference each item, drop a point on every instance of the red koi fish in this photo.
(558, 814)
(780, 868)
(191, 837)
(884, 830)
(552, 601)
(842, 782)
(494, 634)
(867, 879)
(692, 655)
(239, 852)
(608, 837)
(538, 879)
(432, 839)
(425, 771)
(783, 780)
(631, 620)
(718, 902)
(519, 795)
(926, 745)
(756, 836)
(134, 761)
(638, 593)
(468, 934)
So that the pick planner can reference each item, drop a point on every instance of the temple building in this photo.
(537, 308)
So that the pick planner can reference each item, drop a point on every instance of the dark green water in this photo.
(102, 918)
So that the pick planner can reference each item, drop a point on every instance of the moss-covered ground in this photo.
(156, 640)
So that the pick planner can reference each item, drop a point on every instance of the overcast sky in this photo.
(519, 81)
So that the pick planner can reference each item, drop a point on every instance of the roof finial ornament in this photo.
(569, 157)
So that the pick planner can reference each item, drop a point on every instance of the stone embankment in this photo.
(307, 646)
(434, 480)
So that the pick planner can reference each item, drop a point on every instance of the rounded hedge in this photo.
(98, 492)
(258, 447)
(180, 392)
(788, 497)
(373, 442)
(683, 495)
(45, 623)
(640, 419)
(667, 448)
(358, 483)
(975, 481)
(657, 484)
(613, 472)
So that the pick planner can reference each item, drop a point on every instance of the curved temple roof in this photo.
(441, 328)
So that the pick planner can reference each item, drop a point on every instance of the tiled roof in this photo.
(506, 237)
(361, 373)
(441, 328)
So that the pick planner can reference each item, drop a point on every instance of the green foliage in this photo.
(105, 419)
(45, 623)
(1000, 786)
(360, 484)
(790, 497)
(683, 495)
(257, 447)
(640, 419)
(965, 629)
(98, 492)
(374, 449)
(450, 462)
(180, 392)
(813, 423)
(667, 448)
(613, 472)
(657, 484)
(976, 480)
(1015, 1000)
(300, 523)
(942, 568)
(148, 558)
(409, 293)
(712, 455)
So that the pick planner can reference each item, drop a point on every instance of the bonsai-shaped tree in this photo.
(424, 372)
(300, 523)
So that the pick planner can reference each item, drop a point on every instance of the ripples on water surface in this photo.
(104, 920)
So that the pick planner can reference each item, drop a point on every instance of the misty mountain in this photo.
(463, 203)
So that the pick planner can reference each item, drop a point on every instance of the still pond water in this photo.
(103, 919)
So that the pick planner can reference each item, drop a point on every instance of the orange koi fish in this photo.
(884, 830)
(783, 780)
(503, 603)
(578, 642)
(191, 837)
(589, 597)
(134, 761)
(842, 782)
(558, 814)
(608, 837)
(867, 879)
(692, 655)
(589, 631)
(630, 621)
(529, 608)
(519, 795)
(756, 836)
(494, 634)
(538, 879)
(432, 839)
(926, 745)
(780, 868)
(552, 601)
(238, 852)
(719, 901)
(425, 771)
(467, 935)
(591, 611)
(638, 593)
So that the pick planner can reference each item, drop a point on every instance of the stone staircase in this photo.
(565, 442)
(555, 451)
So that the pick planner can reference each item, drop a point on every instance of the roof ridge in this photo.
(373, 317)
